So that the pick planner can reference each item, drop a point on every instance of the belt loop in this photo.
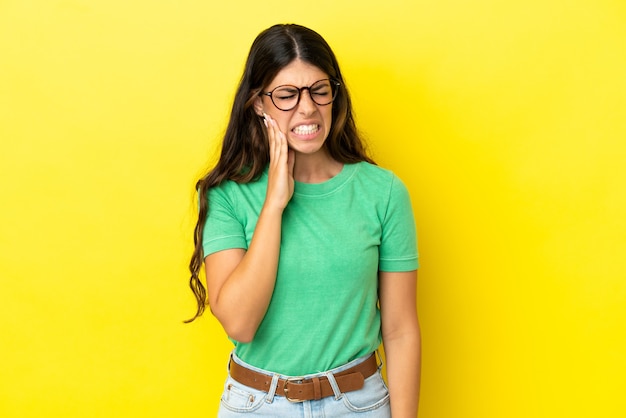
(272, 390)
(317, 389)
(334, 385)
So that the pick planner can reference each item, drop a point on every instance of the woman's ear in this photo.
(258, 106)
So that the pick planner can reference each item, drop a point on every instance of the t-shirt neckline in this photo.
(328, 186)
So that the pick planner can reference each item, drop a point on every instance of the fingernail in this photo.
(265, 122)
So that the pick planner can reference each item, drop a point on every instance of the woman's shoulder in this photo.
(376, 174)
(236, 187)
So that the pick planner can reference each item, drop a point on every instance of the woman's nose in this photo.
(306, 105)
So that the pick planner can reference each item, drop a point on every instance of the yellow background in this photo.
(506, 119)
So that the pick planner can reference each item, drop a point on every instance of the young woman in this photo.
(309, 248)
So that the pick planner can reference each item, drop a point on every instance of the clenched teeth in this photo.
(306, 129)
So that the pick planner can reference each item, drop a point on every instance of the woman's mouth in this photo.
(306, 129)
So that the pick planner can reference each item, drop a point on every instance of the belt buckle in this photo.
(295, 380)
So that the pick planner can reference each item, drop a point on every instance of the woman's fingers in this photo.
(273, 137)
(277, 140)
(280, 177)
(270, 134)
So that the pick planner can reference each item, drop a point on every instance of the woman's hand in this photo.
(280, 182)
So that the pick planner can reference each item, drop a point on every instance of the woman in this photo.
(309, 248)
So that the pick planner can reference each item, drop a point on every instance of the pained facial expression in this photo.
(307, 125)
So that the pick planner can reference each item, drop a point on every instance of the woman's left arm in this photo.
(401, 340)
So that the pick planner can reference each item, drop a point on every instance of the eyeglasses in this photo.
(286, 97)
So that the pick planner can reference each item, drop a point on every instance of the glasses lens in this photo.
(322, 92)
(285, 97)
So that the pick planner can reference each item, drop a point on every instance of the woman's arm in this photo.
(402, 340)
(240, 283)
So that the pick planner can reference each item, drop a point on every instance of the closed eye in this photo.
(284, 96)
(286, 92)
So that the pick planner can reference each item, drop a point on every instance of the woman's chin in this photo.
(306, 145)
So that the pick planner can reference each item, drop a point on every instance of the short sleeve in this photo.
(398, 248)
(222, 230)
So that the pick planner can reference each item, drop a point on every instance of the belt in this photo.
(297, 389)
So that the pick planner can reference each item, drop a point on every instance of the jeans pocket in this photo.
(372, 396)
(240, 398)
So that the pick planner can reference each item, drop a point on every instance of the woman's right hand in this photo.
(280, 184)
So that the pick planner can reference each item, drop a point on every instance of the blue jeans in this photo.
(371, 401)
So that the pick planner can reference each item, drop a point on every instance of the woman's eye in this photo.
(321, 89)
(285, 94)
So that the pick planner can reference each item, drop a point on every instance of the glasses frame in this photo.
(333, 82)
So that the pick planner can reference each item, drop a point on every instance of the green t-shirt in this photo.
(336, 236)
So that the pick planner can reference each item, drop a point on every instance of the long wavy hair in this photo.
(245, 150)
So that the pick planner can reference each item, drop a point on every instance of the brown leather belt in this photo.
(298, 390)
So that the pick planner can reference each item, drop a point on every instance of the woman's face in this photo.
(307, 125)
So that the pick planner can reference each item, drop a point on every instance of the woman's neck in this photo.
(315, 168)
